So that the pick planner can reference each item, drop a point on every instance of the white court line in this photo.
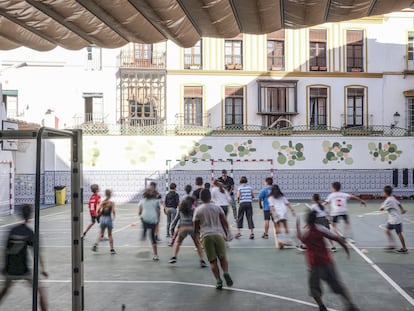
(196, 285)
(383, 274)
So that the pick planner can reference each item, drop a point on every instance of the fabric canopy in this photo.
(74, 24)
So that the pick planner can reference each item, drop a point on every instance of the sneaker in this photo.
(173, 260)
(112, 252)
(95, 248)
(252, 236)
(322, 308)
(203, 264)
(265, 236)
(333, 249)
(155, 258)
(301, 248)
(238, 235)
(219, 284)
(402, 251)
(228, 279)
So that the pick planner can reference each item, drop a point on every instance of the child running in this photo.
(149, 210)
(264, 205)
(339, 208)
(321, 265)
(187, 190)
(321, 214)
(93, 204)
(107, 211)
(278, 205)
(244, 198)
(394, 209)
(185, 217)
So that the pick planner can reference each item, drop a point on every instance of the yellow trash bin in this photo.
(60, 195)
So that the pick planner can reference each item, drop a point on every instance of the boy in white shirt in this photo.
(338, 201)
(394, 209)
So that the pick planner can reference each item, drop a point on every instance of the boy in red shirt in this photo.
(93, 204)
(321, 265)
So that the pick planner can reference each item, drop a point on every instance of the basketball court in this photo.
(264, 277)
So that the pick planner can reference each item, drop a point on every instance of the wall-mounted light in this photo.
(396, 118)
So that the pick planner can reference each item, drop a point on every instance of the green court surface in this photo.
(265, 278)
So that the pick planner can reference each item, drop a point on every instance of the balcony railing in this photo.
(129, 60)
(250, 130)
(82, 118)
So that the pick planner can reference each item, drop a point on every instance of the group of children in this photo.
(319, 220)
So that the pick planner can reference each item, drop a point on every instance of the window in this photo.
(410, 51)
(93, 58)
(317, 49)
(143, 51)
(233, 56)
(10, 100)
(354, 50)
(93, 107)
(318, 107)
(355, 107)
(277, 101)
(193, 105)
(233, 107)
(193, 56)
(276, 50)
(410, 113)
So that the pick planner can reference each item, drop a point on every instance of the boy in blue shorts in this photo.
(394, 209)
(264, 205)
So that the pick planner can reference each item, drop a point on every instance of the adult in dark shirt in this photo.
(15, 267)
(196, 193)
(229, 182)
(172, 199)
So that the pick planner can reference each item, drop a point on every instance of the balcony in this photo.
(88, 118)
(128, 60)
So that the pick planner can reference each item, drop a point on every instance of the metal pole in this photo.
(77, 222)
(36, 219)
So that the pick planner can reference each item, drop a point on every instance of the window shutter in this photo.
(317, 35)
(234, 91)
(354, 36)
(277, 35)
(193, 91)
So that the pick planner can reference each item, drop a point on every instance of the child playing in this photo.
(321, 214)
(172, 199)
(394, 209)
(321, 265)
(339, 208)
(278, 205)
(107, 211)
(264, 205)
(185, 217)
(187, 190)
(244, 198)
(93, 204)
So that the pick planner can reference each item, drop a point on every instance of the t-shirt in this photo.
(93, 203)
(339, 203)
(220, 198)
(319, 212)
(279, 204)
(229, 182)
(245, 194)
(391, 205)
(196, 195)
(316, 252)
(19, 238)
(150, 209)
(264, 193)
(209, 216)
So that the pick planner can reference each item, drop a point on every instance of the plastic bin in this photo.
(60, 195)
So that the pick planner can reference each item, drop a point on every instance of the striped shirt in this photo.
(245, 193)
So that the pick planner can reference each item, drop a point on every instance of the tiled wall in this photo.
(127, 186)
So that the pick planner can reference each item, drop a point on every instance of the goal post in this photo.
(76, 205)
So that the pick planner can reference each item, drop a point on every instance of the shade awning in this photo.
(74, 24)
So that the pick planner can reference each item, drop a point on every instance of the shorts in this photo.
(95, 219)
(187, 230)
(335, 219)
(106, 222)
(215, 246)
(323, 221)
(329, 275)
(280, 217)
(267, 215)
(396, 227)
